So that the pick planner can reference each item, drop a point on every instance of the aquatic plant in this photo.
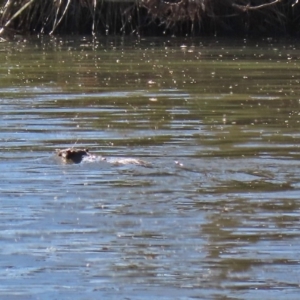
(152, 16)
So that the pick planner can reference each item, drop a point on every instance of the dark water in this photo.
(216, 216)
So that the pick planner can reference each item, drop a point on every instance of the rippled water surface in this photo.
(215, 212)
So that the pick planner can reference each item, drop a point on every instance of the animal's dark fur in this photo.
(73, 154)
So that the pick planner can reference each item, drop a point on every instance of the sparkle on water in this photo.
(216, 216)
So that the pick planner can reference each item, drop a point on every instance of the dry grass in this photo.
(67, 16)
(119, 16)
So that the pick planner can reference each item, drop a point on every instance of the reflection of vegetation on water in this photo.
(225, 93)
(151, 16)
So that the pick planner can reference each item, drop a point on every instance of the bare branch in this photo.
(248, 7)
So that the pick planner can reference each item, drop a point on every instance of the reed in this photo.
(149, 16)
(64, 16)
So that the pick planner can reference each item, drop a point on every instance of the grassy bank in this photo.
(154, 17)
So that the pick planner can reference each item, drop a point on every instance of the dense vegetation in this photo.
(210, 17)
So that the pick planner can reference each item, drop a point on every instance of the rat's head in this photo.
(72, 155)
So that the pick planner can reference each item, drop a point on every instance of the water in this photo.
(216, 216)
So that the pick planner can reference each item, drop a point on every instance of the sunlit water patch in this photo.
(213, 212)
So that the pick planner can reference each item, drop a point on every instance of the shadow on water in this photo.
(215, 217)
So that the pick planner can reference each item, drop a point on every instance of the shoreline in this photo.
(151, 17)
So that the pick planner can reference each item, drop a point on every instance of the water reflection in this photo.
(215, 216)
